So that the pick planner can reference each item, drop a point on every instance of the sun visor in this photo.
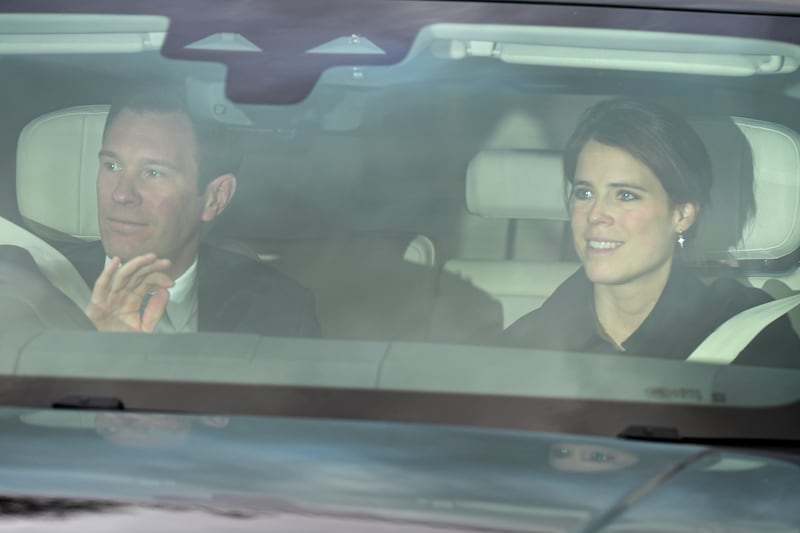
(65, 33)
(609, 49)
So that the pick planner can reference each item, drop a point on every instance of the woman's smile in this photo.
(601, 245)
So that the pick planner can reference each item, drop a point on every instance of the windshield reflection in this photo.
(151, 430)
(588, 458)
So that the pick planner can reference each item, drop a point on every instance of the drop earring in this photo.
(681, 239)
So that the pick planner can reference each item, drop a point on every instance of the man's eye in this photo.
(153, 173)
(112, 166)
(627, 196)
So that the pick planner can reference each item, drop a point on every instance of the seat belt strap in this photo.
(726, 342)
(55, 267)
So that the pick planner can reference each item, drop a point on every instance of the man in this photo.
(161, 178)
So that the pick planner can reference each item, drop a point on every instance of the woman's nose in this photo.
(599, 212)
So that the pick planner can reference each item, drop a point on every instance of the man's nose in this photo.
(125, 190)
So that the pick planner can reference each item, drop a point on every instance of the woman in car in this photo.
(639, 178)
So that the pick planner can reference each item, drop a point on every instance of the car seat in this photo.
(514, 184)
(57, 161)
(56, 154)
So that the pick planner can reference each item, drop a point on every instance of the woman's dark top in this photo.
(685, 314)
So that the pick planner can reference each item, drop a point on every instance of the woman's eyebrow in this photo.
(614, 185)
(624, 185)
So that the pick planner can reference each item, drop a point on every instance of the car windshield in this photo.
(476, 199)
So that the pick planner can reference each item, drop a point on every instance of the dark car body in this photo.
(65, 471)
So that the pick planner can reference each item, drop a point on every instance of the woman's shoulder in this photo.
(721, 295)
(565, 313)
(778, 345)
(729, 290)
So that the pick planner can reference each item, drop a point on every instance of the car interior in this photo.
(423, 201)
(498, 189)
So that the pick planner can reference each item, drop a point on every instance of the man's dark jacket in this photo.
(235, 293)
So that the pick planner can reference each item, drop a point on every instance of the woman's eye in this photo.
(627, 196)
(112, 166)
(153, 173)
(581, 193)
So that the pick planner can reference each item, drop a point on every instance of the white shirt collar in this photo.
(182, 306)
(179, 292)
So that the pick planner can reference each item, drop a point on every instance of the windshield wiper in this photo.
(90, 403)
(650, 433)
(780, 448)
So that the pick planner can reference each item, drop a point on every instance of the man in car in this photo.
(162, 177)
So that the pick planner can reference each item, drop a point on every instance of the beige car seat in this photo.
(514, 184)
(50, 261)
(57, 159)
(56, 171)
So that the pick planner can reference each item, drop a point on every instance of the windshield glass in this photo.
(466, 198)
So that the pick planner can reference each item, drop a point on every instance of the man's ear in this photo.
(218, 195)
(685, 216)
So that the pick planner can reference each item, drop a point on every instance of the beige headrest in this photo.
(516, 184)
(57, 171)
(775, 230)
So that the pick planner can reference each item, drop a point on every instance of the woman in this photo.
(639, 178)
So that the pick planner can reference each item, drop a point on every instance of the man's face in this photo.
(147, 190)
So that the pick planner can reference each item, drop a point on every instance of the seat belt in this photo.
(55, 267)
(726, 342)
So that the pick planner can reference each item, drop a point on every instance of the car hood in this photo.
(307, 474)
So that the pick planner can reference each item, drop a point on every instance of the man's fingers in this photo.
(143, 274)
(152, 283)
(97, 308)
(121, 289)
(103, 283)
(154, 310)
(122, 278)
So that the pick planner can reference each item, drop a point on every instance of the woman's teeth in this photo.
(604, 245)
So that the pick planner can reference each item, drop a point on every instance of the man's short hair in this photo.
(216, 152)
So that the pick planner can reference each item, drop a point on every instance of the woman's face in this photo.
(623, 223)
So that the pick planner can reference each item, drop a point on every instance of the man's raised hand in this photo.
(122, 289)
